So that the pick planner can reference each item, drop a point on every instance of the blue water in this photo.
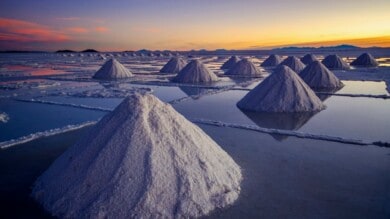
(27, 118)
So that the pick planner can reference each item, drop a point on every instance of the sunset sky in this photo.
(182, 25)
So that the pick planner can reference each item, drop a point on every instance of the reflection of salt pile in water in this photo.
(316, 75)
(334, 62)
(230, 63)
(308, 58)
(194, 92)
(282, 91)
(294, 63)
(285, 121)
(143, 160)
(112, 69)
(195, 72)
(272, 60)
(244, 68)
(4, 117)
(365, 60)
(174, 65)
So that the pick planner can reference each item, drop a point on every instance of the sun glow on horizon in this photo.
(186, 25)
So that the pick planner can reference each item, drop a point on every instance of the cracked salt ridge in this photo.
(383, 96)
(47, 133)
(290, 133)
(65, 104)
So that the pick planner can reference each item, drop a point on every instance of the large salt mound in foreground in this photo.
(244, 68)
(195, 72)
(112, 69)
(308, 58)
(316, 75)
(174, 65)
(365, 60)
(294, 63)
(230, 63)
(143, 160)
(282, 91)
(334, 62)
(272, 60)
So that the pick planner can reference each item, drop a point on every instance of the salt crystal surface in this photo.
(334, 62)
(365, 60)
(294, 63)
(195, 72)
(272, 60)
(174, 65)
(230, 63)
(142, 160)
(244, 68)
(112, 69)
(308, 58)
(316, 75)
(282, 91)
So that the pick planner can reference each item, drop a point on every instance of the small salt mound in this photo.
(282, 91)
(244, 68)
(4, 117)
(272, 60)
(316, 75)
(112, 69)
(174, 65)
(195, 72)
(294, 63)
(230, 63)
(365, 60)
(308, 58)
(334, 62)
(143, 160)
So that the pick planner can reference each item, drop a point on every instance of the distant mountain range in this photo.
(69, 51)
(338, 47)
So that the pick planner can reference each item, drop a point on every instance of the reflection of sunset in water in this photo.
(32, 71)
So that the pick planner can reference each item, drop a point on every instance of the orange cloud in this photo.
(25, 31)
(78, 30)
(101, 29)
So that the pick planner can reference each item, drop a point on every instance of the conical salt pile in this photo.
(272, 60)
(316, 75)
(244, 68)
(195, 72)
(308, 58)
(112, 69)
(282, 91)
(365, 60)
(143, 160)
(230, 63)
(334, 62)
(294, 63)
(174, 65)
